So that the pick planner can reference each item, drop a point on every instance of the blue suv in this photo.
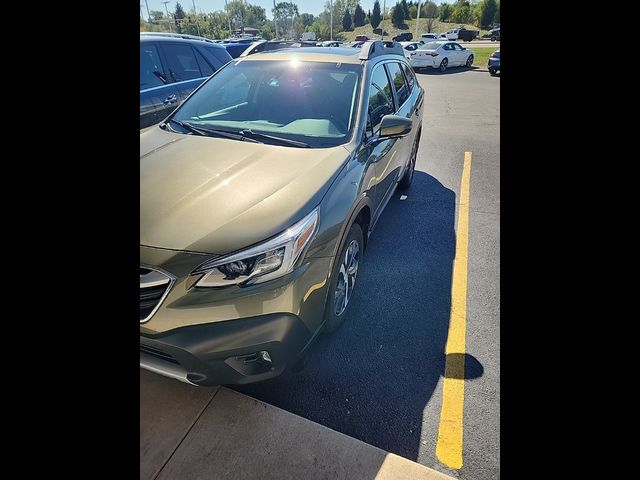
(171, 67)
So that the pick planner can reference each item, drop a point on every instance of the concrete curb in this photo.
(228, 435)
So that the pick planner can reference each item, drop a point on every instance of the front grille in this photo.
(158, 354)
(153, 287)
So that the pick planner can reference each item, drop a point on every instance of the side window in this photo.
(150, 69)
(408, 73)
(181, 61)
(457, 47)
(380, 98)
(402, 90)
(220, 54)
(205, 68)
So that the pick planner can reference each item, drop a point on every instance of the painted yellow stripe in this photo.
(449, 446)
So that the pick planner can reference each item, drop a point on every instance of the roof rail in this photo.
(373, 48)
(177, 35)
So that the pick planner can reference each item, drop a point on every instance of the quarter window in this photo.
(380, 102)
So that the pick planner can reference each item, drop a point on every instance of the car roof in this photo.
(150, 37)
(310, 54)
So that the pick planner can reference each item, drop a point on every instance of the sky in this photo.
(304, 6)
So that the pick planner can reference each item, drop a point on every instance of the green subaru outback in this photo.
(257, 199)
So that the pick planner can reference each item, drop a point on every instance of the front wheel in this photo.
(443, 64)
(343, 279)
(469, 61)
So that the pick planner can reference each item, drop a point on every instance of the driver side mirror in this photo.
(394, 126)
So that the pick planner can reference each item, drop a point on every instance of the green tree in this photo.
(397, 16)
(346, 21)
(430, 12)
(445, 12)
(179, 15)
(405, 9)
(307, 19)
(462, 12)
(267, 30)
(376, 18)
(284, 13)
(358, 16)
(496, 17)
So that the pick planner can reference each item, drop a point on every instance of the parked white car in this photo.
(428, 37)
(409, 47)
(452, 34)
(441, 55)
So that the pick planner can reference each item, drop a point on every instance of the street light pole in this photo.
(168, 18)
(148, 14)
(331, 11)
(418, 19)
(141, 17)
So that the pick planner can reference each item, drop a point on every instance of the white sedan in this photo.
(409, 47)
(441, 55)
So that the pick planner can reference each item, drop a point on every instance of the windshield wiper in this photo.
(213, 131)
(286, 141)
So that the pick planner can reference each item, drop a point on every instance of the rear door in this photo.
(158, 97)
(186, 66)
(461, 55)
(404, 107)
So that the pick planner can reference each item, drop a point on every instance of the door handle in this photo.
(170, 99)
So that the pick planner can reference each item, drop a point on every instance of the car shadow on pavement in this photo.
(373, 377)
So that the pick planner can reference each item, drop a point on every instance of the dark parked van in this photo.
(171, 67)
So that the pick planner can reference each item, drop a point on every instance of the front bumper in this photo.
(226, 352)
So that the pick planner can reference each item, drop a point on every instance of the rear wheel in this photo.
(469, 61)
(443, 64)
(343, 279)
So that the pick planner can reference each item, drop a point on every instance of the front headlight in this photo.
(266, 261)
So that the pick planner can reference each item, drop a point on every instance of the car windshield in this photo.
(429, 46)
(310, 102)
(496, 54)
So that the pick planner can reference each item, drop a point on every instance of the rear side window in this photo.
(150, 69)
(380, 102)
(205, 68)
(220, 54)
(182, 62)
(402, 89)
(408, 73)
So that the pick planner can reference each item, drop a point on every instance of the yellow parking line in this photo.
(449, 446)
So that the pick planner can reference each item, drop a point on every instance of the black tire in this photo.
(443, 65)
(469, 61)
(492, 71)
(407, 178)
(335, 315)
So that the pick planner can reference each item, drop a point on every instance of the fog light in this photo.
(261, 356)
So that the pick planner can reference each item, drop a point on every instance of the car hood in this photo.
(216, 195)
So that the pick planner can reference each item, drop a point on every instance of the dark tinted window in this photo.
(380, 103)
(402, 90)
(496, 54)
(182, 62)
(205, 68)
(457, 47)
(149, 63)
(220, 53)
(408, 73)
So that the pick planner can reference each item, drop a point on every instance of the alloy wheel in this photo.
(347, 277)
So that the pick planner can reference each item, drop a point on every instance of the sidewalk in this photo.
(188, 432)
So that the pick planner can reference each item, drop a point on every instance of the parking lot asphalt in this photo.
(379, 378)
